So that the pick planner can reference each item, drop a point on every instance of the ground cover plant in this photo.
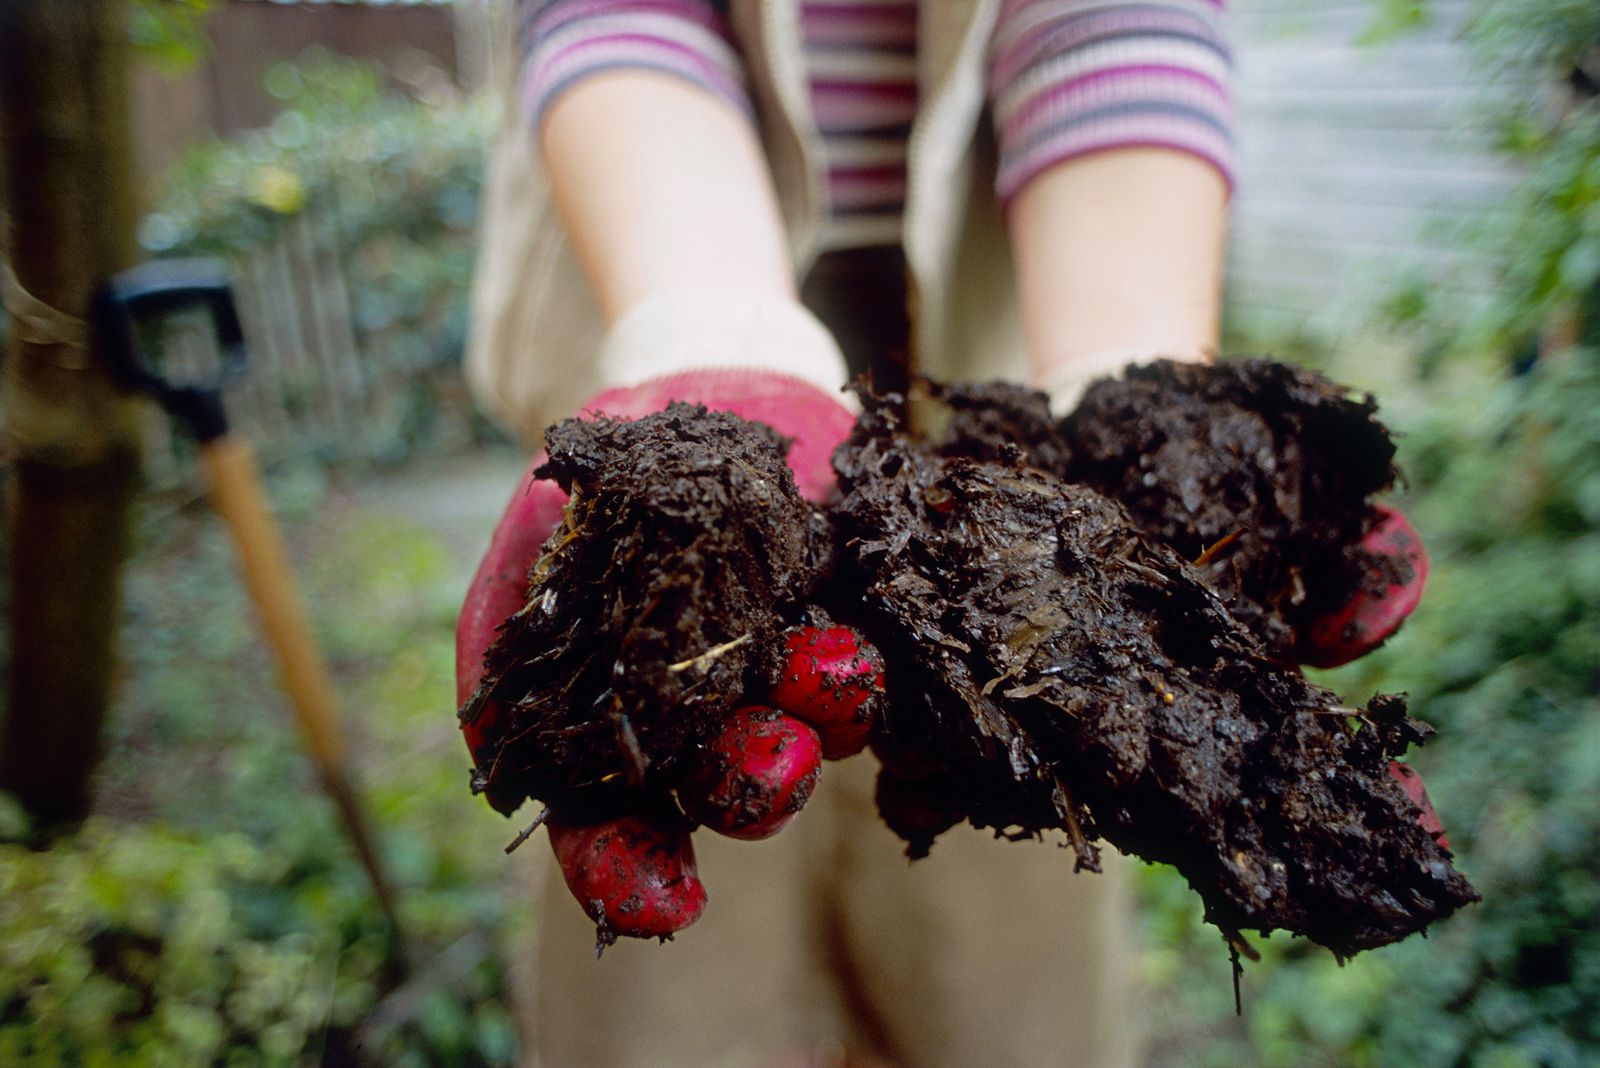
(211, 911)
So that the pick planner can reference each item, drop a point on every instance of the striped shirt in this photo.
(1070, 77)
(861, 62)
(1065, 78)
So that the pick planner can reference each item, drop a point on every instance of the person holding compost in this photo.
(745, 204)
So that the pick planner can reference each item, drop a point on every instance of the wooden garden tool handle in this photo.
(237, 495)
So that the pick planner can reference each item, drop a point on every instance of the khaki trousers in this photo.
(987, 954)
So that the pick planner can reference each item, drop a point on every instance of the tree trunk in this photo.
(72, 435)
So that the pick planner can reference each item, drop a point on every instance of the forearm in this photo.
(1114, 124)
(1119, 257)
(664, 191)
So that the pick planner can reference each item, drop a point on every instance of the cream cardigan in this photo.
(535, 325)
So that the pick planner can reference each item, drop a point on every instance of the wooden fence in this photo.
(319, 386)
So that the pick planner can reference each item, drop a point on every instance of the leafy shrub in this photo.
(1546, 245)
(169, 33)
(213, 913)
(137, 945)
(1503, 655)
(385, 189)
(141, 944)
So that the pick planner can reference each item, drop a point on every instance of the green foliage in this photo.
(387, 188)
(1503, 655)
(136, 946)
(1393, 18)
(395, 179)
(1546, 245)
(1553, 36)
(1506, 660)
(1553, 239)
(214, 914)
(169, 33)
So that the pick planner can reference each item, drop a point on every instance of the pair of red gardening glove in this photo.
(636, 875)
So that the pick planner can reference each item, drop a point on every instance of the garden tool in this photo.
(129, 309)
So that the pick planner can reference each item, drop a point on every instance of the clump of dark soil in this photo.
(1270, 468)
(1060, 670)
(685, 551)
(994, 421)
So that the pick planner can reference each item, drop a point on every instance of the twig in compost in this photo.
(1238, 947)
(1216, 547)
(638, 763)
(1088, 856)
(709, 656)
(1238, 973)
(527, 832)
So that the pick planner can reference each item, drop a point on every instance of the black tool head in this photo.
(131, 302)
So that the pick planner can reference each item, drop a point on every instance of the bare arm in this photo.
(1119, 257)
(664, 191)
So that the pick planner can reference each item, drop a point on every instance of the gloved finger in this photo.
(1395, 568)
(500, 587)
(757, 772)
(1410, 781)
(754, 776)
(634, 875)
(832, 678)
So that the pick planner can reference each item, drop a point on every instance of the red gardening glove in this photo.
(1410, 781)
(635, 875)
(1396, 568)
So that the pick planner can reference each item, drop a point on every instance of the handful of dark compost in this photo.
(1054, 657)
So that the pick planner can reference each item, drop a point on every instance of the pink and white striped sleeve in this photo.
(1071, 77)
(563, 41)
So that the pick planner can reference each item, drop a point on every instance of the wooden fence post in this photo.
(72, 436)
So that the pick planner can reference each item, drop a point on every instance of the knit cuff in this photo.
(1069, 79)
(669, 334)
(565, 41)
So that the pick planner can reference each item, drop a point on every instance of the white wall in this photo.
(1355, 160)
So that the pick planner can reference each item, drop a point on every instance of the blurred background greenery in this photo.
(210, 913)
(350, 220)
(1501, 448)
